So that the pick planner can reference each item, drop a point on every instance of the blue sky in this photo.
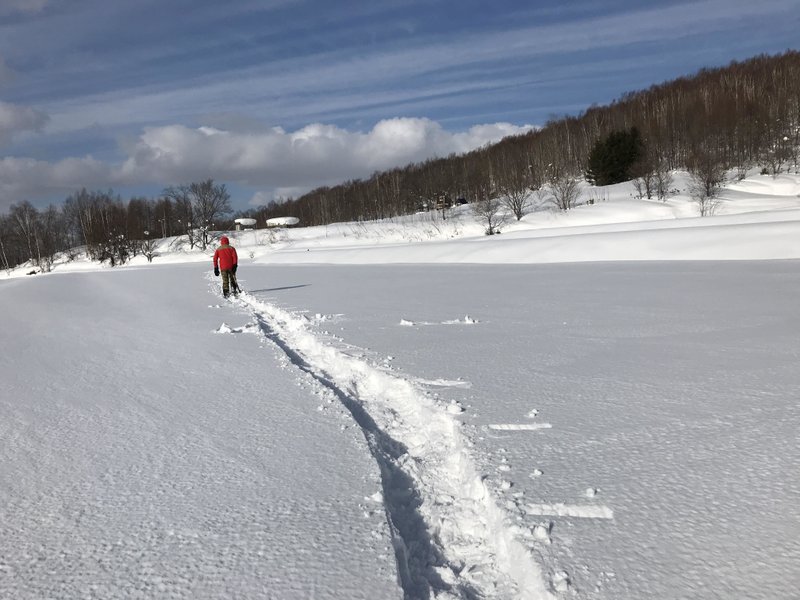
(275, 97)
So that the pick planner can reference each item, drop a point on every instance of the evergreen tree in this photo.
(613, 159)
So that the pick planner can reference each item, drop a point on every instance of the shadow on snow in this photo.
(415, 551)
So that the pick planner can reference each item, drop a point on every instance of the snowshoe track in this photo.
(451, 539)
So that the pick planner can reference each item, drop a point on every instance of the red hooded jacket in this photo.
(225, 256)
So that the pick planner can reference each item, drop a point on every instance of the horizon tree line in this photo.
(108, 229)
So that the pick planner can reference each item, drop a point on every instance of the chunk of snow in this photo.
(541, 532)
(454, 408)
(561, 582)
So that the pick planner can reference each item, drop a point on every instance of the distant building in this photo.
(282, 221)
(244, 224)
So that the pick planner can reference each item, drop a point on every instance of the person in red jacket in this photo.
(226, 261)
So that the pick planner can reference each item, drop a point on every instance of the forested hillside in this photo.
(739, 116)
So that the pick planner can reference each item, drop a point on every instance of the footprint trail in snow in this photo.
(451, 538)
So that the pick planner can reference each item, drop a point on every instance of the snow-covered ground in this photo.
(622, 425)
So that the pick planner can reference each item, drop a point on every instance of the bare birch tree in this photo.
(564, 191)
(707, 174)
(489, 212)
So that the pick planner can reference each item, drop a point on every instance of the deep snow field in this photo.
(601, 404)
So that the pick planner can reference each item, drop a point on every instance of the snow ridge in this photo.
(451, 538)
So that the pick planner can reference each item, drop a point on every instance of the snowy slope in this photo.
(757, 218)
(616, 429)
(142, 455)
(670, 389)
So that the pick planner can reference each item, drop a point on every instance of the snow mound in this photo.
(224, 328)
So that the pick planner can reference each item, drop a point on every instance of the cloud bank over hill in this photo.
(316, 154)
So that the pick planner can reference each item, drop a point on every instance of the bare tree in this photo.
(4, 235)
(644, 177)
(518, 202)
(79, 210)
(210, 201)
(148, 246)
(489, 212)
(515, 178)
(564, 191)
(777, 154)
(707, 174)
(50, 229)
(645, 184)
(180, 196)
(653, 179)
(663, 180)
(25, 218)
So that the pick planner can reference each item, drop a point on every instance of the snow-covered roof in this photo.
(282, 221)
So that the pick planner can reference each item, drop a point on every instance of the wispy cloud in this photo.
(26, 178)
(14, 119)
(321, 83)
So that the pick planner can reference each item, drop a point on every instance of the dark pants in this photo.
(228, 282)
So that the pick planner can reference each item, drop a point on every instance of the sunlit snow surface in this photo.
(600, 430)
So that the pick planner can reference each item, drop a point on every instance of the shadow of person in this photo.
(278, 289)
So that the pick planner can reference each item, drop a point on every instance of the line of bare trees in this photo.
(108, 229)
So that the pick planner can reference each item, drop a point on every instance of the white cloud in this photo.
(27, 178)
(314, 155)
(288, 163)
(14, 118)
